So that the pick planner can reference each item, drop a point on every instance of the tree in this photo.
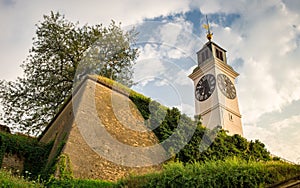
(63, 52)
(219, 146)
(257, 151)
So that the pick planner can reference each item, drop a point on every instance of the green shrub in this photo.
(35, 153)
(232, 172)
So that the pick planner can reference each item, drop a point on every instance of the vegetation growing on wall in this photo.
(64, 167)
(204, 145)
(34, 153)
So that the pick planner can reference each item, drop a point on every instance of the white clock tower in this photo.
(215, 95)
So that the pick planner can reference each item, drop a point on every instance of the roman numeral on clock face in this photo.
(205, 87)
(226, 86)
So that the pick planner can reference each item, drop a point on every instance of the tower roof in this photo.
(210, 43)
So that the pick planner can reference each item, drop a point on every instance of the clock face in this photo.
(205, 87)
(226, 86)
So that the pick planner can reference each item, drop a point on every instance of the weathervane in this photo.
(206, 26)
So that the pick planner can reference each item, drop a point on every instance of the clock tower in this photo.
(216, 100)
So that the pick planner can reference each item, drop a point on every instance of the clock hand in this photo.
(203, 91)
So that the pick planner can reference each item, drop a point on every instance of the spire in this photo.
(207, 27)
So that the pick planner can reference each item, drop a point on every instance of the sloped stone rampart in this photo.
(120, 118)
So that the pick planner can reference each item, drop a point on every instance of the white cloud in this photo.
(161, 82)
(292, 5)
(169, 41)
(278, 138)
(186, 109)
(178, 39)
(182, 79)
(147, 70)
(148, 51)
(290, 122)
(257, 94)
(224, 6)
(169, 33)
(189, 110)
(163, 57)
(18, 21)
(266, 76)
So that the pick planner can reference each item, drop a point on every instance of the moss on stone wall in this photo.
(64, 168)
(34, 153)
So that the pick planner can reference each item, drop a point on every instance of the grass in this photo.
(229, 173)
(8, 180)
(79, 183)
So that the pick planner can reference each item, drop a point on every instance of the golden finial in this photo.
(206, 26)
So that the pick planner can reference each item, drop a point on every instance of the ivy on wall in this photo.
(216, 144)
(34, 153)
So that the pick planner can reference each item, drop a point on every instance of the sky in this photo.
(262, 39)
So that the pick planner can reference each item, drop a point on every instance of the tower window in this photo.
(219, 54)
(205, 55)
(230, 117)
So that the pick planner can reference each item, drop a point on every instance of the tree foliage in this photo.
(64, 52)
(216, 144)
(204, 144)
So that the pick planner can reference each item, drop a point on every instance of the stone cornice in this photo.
(201, 70)
(221, 106)
(226, 68)
(212, 64)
